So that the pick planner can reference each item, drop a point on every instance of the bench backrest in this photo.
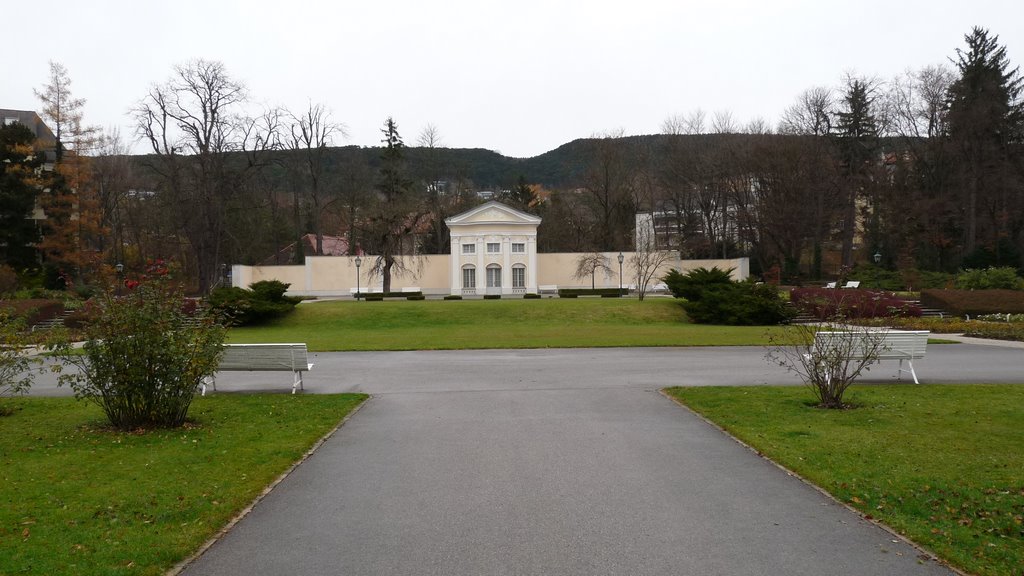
(292, 357)
(894, 344)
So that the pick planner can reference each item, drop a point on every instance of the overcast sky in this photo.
(519, 77)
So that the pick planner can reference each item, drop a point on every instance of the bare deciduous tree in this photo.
(811, 114)
(588, 264)
(192, 124)
(723, 123)
(310, 134)
(647, 261)
(827, 357)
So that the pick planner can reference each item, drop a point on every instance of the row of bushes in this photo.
(996, 331)
(871, 276)
(826, 303)
(974, 302)
(382, 295)
(33, 311)
(1000, 330)
(603, 292)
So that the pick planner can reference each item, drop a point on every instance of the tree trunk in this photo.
(389, 262)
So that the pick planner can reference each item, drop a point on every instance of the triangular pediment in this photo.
(493, 213)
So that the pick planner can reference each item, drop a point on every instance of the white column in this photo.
(506, 265)
(531, 268)
(455, 285)
(481, 271)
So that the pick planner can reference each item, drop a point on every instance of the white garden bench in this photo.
(264, 357)
(899, 345)
(851, 284)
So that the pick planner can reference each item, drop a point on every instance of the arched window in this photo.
(518, 276)
(493, 276)
(469, 276)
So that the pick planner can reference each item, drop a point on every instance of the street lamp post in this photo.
(620, 258)
(878, 260)
(120, 270)
(359, 262)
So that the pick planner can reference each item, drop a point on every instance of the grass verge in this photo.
(942, 465)
(80, 498)
(480, 324)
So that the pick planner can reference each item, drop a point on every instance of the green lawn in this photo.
(942, 464)
(79, 498)
(465, 324)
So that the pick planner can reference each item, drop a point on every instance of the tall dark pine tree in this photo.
(19, 187)
(397, 213)
(985, 121)
(520, 196)
(857, 142)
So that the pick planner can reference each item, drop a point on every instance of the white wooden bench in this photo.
(899, 345)
(851, 284)
(264, 357)
(547, 289)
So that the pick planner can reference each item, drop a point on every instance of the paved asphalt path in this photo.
(549, 369)
(555, 462)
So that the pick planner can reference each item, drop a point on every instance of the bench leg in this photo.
(211, 380)
(899, 375)
(298, 382)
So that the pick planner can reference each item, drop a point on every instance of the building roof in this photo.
(493, 212)
(333, 246)
(31, 120)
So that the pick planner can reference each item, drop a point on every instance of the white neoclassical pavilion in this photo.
(494, 251)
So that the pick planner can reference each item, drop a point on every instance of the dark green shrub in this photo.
(531, 296)
(492, 296)
(989, 279)
(85, 291)
(264, 302)
(144, 356)
(8, 280)
(738, 304)
(453, 297)
(561, 295)
(374, 298)
(416, 297)
(932, 279)
(974, 302)
(53, 277)
(694, 282)
(876, 277)
(270, 290)
(15, 374)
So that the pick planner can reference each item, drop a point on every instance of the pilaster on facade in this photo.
(455, 265)
(531, 266)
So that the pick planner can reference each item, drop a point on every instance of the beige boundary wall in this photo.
(336, 275)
